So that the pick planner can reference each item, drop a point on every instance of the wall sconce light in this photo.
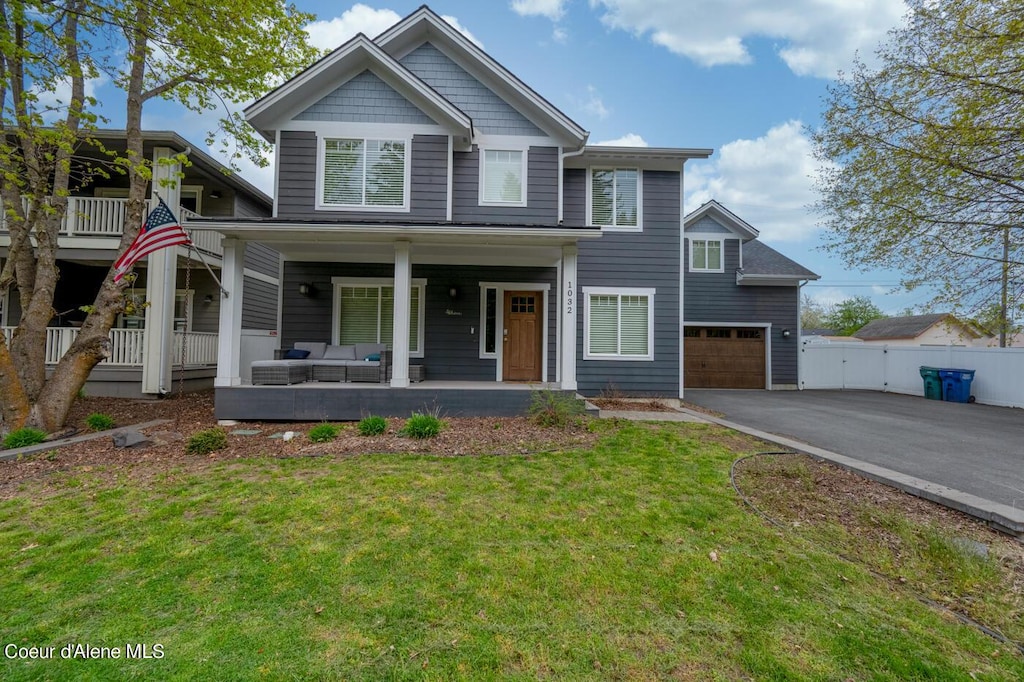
(306, 289)
(785, 333)
(208, 299)
(215, 194)
(453, 292)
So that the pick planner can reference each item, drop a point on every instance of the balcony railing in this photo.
(127, 346)
(100, 217)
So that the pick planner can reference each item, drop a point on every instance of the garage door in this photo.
(724, 357)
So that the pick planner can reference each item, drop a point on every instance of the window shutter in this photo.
(343, 172)
(626, 197)
(359, 306)
(385, 173)
(503, 176)
(602, 191)
(634, 325)
(603, 324)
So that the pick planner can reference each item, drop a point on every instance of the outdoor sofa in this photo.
(317, 361)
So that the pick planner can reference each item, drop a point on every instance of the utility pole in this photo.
(1004, 323)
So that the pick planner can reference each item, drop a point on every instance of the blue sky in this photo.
(745, 77)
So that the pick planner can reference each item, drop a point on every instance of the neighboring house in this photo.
(428, 199)
(742, 305)
(939, 329)
(183, 315)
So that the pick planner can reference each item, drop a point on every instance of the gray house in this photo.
(172, 341)
(429, 201)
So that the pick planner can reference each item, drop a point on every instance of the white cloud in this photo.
(816, 37)
(829, 296)
(768, 182)
(56, 98)
(552, 9)
(328, 34)
(627, 140)
(594, 104)
(560, 35)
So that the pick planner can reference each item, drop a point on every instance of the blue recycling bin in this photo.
(956, 384)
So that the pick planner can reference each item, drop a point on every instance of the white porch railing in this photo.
(101, 217)
(126, 346)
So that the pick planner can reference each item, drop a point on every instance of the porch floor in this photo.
(323, 401)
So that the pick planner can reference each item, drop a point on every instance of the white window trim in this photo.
(706, 238)
(523, 190)
(338, 282)
(618, 291)
(639, 200)
(321, 155)
(189, 296)
(197, 190)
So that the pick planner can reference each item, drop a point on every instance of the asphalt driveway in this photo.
(976, 449)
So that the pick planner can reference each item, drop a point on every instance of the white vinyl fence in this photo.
(998, 378)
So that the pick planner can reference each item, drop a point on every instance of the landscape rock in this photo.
(166, 437)
(131, 439)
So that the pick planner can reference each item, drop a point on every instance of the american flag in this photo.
(160, 231)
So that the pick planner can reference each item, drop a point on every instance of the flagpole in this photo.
(202, 260)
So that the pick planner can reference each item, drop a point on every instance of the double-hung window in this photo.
(358, 173)
(706, 255)
(618, 324)
(503, 177)
(365, 313)
(615, 198)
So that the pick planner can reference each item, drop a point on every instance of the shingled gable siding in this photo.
(452, 328)
(491, 114)
(541, 190)
(296, 197)
(708, 225)
(715, 297)
(647, 259)
(365, 99)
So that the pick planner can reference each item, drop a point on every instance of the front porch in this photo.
(315, 401)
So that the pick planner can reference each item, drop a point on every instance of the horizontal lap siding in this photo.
(715, 297)
(451, 342)
(541, 190)
(297, 181)
(262, 259)
(648, 259)
(259, 304)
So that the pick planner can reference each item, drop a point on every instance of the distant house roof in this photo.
(907, 327)
(820, 331)
(759, 259)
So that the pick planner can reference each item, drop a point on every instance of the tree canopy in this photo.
(846, 317)
(922, 157)
(201, 56)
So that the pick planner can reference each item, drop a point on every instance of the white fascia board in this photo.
(256, 231)
(723, 217)
(403, 37)
(770, 280)
(327, 74)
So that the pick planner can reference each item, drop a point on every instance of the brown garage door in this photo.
(724, 357)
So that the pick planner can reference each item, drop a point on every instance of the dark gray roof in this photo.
(761, 259)
(907, 327)
(820, 331)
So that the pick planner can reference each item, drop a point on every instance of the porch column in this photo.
(569, 303)
(161, 282)
(400, 339)
(229, 344)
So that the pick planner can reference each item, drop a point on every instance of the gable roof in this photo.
(761, 260)
(908, 326)
(347, 61)
(425, 25)
(722, 215)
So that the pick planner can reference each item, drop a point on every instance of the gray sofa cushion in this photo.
(316, 348)
(340, 353)
(364, 349)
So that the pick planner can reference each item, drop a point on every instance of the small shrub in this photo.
(551, 408)
(324, 433)
(206, 441)
(23, 437)
(372, 426)
(99, 422)
(422, 426)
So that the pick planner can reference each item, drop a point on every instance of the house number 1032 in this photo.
(568, 297)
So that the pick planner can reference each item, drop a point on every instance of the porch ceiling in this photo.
(444, 243)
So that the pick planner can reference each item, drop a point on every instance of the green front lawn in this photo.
(633, 560)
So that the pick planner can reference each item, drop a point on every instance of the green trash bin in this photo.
(932, 383)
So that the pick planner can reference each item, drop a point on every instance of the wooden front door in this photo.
(722, 357)
(521, 350)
